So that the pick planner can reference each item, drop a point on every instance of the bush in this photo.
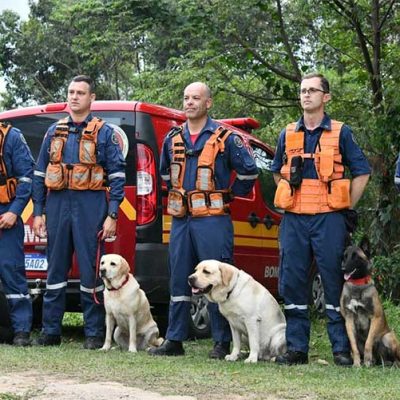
(386, 273)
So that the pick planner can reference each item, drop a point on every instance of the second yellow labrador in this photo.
(127, 307)
(252, 312)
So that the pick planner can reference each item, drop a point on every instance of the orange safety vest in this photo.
(330, 192)
(8, 185)
(85, 175)
(205, 200)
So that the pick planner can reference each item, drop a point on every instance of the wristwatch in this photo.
(113, 215)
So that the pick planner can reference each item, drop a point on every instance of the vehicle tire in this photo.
(316, 293)
(199, 322)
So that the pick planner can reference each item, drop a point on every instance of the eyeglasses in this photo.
(311, 90)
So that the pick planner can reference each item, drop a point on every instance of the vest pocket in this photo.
(79, 177)
(284, 195)
(55, 177)
(87, 151)
(198, 203)
(339, 193)
(96, 178)
(8, 190)
(176, 204)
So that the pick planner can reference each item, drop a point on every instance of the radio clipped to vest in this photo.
(85, 175)
(330, 192)
(8, 185)
(205, 200)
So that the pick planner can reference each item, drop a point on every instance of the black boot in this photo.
(292, 358)
(220, 350)
(93, 343)
(342, 359)
(168, 348)
(22, 339)
(47, 340)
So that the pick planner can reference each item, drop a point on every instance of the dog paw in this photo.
(231, 357)
(105, 348)
(250, 360)
(132, 349)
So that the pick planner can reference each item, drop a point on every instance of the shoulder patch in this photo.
(238, 141)
(114, 138)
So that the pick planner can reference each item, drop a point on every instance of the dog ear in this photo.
(365, 246)
(125, 266)
(226, 273)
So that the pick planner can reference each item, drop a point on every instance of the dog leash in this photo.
(98, 256)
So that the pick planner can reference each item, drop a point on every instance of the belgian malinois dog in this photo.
(370, 338)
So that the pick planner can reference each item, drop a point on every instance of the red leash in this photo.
(98, 256)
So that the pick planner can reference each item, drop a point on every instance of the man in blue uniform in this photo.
(16, 171)
(309, 167)
(78, 155)
(199, 202)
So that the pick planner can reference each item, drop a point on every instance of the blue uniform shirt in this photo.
(109, 156)
(352, 156)
(235, 157)
(19, 164)
(397, 174)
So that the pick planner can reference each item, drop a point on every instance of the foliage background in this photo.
(252, 54)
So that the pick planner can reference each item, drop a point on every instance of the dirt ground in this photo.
(35, 386)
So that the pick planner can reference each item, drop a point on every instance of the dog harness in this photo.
(8, 185)
(330, 192)
(205, 200)
(85, 175)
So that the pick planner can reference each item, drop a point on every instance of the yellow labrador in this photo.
(253, 314)
(127, 307)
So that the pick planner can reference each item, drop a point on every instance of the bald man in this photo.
(198, 200)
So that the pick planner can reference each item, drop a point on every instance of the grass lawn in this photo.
(206, 379)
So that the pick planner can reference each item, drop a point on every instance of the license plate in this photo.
(35, 262)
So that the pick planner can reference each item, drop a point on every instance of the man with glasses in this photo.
(309, 170)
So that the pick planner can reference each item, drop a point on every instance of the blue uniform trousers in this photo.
(301, 238)
(74, 219)
(193, 240)
(12, 275)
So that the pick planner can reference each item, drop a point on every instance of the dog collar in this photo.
(360, 281)
(123, 284)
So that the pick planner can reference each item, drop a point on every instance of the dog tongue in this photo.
(195, 290)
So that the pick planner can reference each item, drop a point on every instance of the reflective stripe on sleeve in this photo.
(25, 179)
(165, 177)
(116, 175)
(39, 173)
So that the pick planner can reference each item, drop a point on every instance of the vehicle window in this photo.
(34, 127)
(265, 177)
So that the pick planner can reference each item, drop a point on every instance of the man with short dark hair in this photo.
(78, 155)
(196, 163)
(309, 170)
